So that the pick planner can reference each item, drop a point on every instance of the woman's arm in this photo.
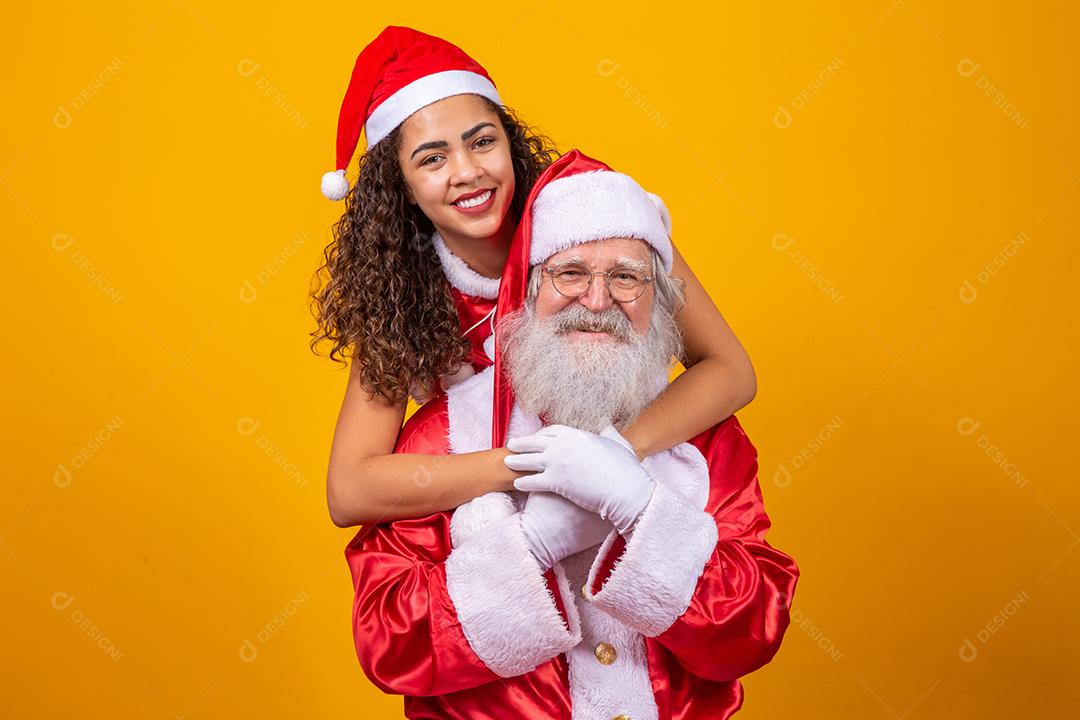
(718, 381)
(367, 483)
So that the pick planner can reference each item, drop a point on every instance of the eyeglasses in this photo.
(573, 280)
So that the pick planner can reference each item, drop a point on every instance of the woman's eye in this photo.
(484, 141)
(430, 159)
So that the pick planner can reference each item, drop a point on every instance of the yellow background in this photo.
(881, 197)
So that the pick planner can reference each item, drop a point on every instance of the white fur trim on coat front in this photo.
(598, 691)
(652, 583)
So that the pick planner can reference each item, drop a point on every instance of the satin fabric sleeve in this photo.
(430, 620)
(704, 584)
(405, 627)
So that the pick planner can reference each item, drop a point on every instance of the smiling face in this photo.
(455, 158)
(600, 256)
(589, 361)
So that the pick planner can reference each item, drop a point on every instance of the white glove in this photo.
(556, 528)
(600, 473)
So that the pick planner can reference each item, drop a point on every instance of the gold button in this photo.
(621, 717)
(605, 653)
(585, 591)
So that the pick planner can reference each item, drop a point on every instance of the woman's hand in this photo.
(599, 473)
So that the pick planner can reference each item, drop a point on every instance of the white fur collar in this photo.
(461, 276)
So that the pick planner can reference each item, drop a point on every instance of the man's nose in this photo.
(597, 299)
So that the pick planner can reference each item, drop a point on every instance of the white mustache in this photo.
(586, 384)
(577, 317)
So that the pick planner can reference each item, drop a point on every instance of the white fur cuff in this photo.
(503, 601)
(651, 584)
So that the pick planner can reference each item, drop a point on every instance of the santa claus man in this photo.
(643, 590)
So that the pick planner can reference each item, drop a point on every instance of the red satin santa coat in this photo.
(410, 639)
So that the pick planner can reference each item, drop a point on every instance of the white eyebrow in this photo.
(632, 263)
(621, 261)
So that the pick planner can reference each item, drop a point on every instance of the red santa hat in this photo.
(594, 205)
(575, 200)
(399, 72)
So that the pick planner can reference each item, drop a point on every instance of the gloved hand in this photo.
(556, 528)
(600, 473)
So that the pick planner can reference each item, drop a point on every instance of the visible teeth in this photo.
(473, 202)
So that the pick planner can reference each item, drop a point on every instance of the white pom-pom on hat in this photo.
(334, 185)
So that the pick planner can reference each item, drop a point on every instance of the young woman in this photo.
(412, 277)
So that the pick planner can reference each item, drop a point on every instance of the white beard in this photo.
(587, 383)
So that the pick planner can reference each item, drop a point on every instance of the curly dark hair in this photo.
(381, 297)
